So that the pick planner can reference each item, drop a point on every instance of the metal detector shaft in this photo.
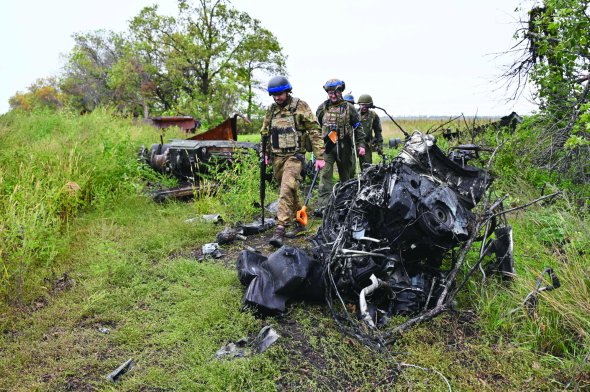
(315, 176)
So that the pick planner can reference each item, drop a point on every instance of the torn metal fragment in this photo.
(124, 368)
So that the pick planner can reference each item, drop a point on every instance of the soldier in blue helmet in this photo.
(349, 97)
(285, 124)
(342, 135)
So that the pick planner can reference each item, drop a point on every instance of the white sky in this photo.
(414, 57)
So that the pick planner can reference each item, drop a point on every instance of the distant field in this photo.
(424, 124)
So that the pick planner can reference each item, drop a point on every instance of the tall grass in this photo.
(52, 165)
(552, 234)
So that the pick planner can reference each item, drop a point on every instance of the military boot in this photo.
(296, 230)
(277, 237)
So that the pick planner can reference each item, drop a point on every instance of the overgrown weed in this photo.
(54, 165)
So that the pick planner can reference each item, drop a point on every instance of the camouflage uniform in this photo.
(370, 122)
(287, 125)
(343, 117)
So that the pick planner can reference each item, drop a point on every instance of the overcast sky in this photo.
(414, 57)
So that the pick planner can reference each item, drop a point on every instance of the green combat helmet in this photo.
(365, 99)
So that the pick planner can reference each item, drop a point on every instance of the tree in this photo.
(204, 61)
(86, 75)
(43, 94)
(207, 62)
(262, 52)
(555, 56)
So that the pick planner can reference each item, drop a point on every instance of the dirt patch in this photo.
(304, 361)
(62, 283)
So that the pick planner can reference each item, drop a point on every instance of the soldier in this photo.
(370, 123)
(286, 122)
(349, 97)
(341, 131)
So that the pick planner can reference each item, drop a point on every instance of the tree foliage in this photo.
(85, 80)
(555, 48)
(43, 94)
(206, 62)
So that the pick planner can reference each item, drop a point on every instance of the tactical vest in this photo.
(367, 124)
(284, 135)
(336, 117)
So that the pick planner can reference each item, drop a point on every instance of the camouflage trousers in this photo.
(368, 157)
(346, 169)
(287, 173)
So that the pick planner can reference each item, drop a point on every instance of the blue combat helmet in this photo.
(349, 97)
(278, 84)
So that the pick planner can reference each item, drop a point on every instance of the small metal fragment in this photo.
(124, 368)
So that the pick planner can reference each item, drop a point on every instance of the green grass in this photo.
(122, 262)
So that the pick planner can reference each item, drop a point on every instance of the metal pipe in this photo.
(375, 284)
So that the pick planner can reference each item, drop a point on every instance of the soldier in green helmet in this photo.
(371, 125)
(343, 138)
(286, 121)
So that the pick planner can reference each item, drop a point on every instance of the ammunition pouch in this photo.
(285, 139)
(330, 141)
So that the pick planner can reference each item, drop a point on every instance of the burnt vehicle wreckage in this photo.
(191, 159)
(392, 242)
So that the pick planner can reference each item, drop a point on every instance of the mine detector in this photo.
(192, 158)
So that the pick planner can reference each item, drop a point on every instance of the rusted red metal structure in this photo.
(187, 123)
(227, 130)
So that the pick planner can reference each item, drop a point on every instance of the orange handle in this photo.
(302, 216)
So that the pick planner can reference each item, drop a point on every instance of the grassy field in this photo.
(96, 273)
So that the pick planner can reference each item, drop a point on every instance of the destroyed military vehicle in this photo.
(190, 159)
(389, 239)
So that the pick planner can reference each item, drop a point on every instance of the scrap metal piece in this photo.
(265, 338)
(183, 192)
(375, 284)
(244, 347)
(532, 299)
(212, 249)
(213, 218)
(257, 227)
(124, 368)
(504, 249)
(229, 235)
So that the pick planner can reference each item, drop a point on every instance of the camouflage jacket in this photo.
(370, 123)
(343, 117)
(289, 125)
